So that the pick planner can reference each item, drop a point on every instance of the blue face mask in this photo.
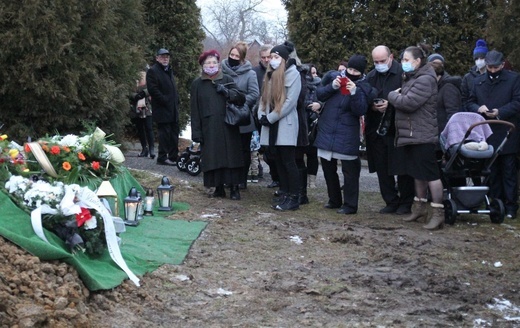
(407, 67)
(382, 68)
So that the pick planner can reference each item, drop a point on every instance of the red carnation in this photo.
(83, 216)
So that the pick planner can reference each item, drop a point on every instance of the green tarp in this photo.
(154, 242)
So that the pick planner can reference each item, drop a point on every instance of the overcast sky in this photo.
(273, 8)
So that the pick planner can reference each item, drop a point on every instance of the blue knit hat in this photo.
(481, 49)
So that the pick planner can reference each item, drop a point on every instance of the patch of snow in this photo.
(296, 239)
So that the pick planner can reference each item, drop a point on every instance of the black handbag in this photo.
(237, 115)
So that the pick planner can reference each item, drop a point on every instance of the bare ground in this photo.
(256, 267)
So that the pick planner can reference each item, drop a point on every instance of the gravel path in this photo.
(368, 181)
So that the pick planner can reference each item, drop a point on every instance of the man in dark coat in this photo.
(165, 104)
(479, 54)
(383, 157)
(496, 95)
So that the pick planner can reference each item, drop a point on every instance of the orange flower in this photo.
(81, 156)
(66, 149)
(95, 165)
(45, 148)
(3, 137)
(55, 150)
(66, 166)
(27, 148)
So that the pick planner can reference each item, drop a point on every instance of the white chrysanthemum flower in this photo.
(70, 140)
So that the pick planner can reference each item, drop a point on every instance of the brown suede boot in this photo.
(437, 220)
(419, 210)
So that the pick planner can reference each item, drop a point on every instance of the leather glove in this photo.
(222, 90)
(264, 121)
(139, 96)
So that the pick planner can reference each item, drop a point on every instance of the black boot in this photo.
(152, 153)
(291, 203)
(279, 200)
(144, 152)
(234, 193)
(219, 192)
(302, 197)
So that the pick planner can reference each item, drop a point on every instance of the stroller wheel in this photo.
(497, 211)
(193, 166)
(450, 211)
(181, 163)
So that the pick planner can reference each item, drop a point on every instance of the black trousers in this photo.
(270, 158)
(312, 163)
(287, 169)
(245, 138)
(351, 170)
(394, 193)
(503, 182)
(145, 132)
(168, 135)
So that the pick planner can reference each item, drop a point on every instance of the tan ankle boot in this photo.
(437, 220)
(419, 210)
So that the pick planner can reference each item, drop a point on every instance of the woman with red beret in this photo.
(221, 154)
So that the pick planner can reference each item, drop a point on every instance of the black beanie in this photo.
(281, 51)
(358, 62)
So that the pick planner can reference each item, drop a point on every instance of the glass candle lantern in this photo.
(165, 195)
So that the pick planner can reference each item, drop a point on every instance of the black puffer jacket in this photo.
(415, 115)
(448, 99)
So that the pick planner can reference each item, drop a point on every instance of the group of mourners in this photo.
(405, 103)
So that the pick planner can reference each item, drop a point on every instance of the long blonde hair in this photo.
(274, 92)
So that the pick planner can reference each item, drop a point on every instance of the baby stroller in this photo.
(469, 157)
(189, 160)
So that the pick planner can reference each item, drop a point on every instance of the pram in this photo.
(469, 157)
(189, 160)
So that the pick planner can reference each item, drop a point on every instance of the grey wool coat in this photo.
(288, 117)
(416, 114)
(221, 143)
(245, 79)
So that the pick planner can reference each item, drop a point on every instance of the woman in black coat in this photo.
(221, 155)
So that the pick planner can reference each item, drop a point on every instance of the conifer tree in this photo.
(66, 62)
(503, 28)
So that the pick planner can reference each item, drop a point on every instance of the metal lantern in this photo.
(165, 195)
(132, 208)
(149, 201)
(140, 207)
(108, 195)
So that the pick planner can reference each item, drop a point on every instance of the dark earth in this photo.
(256, 267)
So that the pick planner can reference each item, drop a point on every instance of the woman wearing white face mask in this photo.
(279, 118)
(417, 133)
(479, 53)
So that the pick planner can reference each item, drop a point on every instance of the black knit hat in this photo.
(358, 62)
(281, 51)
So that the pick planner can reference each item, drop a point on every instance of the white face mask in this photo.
(382, 68)
(275, 63)
(480, 63)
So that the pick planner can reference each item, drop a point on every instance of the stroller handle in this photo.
(506, 123)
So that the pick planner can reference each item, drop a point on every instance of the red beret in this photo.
(206, 54)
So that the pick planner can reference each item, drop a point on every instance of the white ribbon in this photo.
(87, 199)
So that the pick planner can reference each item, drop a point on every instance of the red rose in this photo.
(55, 150)
(95, 165)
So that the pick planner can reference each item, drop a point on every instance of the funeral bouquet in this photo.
(75, 159)
(63, 209)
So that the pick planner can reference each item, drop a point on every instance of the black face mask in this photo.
(494, 76)
(233, 62)
(351, 77)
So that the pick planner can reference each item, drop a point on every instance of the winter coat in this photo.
(221, 143)
(288, 117)
(260, 73)
(383, 83)
(163, 90)
(415, 115)
(467, 85)
(504, 95)
(245, 79)
(448, 99)
(338, 126)
(303, 128)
